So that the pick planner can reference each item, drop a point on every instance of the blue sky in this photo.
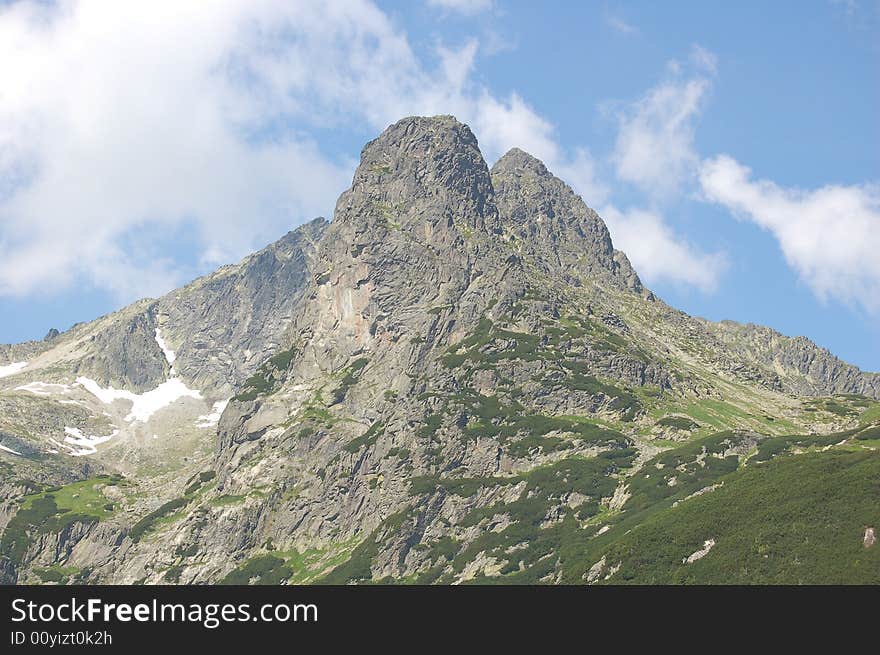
(733, 148)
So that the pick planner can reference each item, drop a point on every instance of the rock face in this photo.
(455, 379)
(803, 367)
(223, 326)
(553, 226)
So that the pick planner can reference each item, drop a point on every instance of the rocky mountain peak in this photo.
(414, 230)
(554, 225)
(519, 161)
(417, 137)
(422, 174)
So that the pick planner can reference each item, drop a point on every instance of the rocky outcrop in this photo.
(553, 226)
(802, 367)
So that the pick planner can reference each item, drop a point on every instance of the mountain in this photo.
(458, 379)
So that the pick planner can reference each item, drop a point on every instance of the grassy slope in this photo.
(795, 519)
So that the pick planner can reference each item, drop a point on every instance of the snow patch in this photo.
(700, 554)
(85, 443)
(143, 405)
(11, 369)
(9, 450)
(210, 420)
(44, 388)
(169, 354)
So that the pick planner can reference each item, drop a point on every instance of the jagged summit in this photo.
(441, 132)
(423, 176)
(555, 225)
(421, 155)
(516, 159)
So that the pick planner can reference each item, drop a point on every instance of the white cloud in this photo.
(121, 126)
(703, 59)
(655, 151)
(115, 119)
(620, 25)
(830, 236)
(466, 7)
(655, 142)
(660, 255)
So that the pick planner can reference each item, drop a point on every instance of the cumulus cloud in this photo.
(502, 124)
(113, 120)
(655, 151)
(830, 235)
(660, 255)
(704, 60)
(655, 142)
(654, 147)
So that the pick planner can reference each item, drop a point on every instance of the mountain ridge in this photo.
(456, 379)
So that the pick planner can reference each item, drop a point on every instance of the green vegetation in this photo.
(380, 168)
(367, 439)
(432, 424)
(41, 516)
(186, 551)
(480, 416)
(358, 567)
(228, 499)
(872, 432)
(845, 405)
(526, 543)
(196, 483)
(760, 516)
(56, 573)
(870, 415)
(445, 547)
(316, 414)
(54, 510)
(143, 526)
(683, 470)
(774, 446)
(489, 345)
(148, 522)
(794, 520)
(678, 423)
(718, 414)
(531, 547)
(350, 377)
(622, 401)
(265, 381)
(260, 570)
(397, 451)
